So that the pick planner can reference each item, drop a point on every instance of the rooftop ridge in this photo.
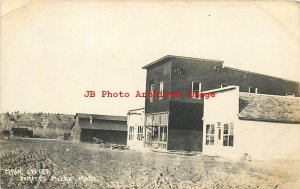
(270, 95)
(237, 69)
(180, 57)
(136, 109)
(100, 115)
(216, 61)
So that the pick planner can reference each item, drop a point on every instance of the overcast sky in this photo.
(52, 51)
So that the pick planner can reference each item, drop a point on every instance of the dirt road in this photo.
(60, 164)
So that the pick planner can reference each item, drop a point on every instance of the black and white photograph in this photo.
(183, 94)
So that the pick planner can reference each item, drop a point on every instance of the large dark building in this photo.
(175, 123)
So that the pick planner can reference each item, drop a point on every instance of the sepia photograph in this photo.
(183, 94)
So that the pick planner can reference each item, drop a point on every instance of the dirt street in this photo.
(31, 163)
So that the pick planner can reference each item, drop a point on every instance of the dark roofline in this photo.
(268, 120)
(130, 111)
(169, 57)
(104, 117)
(249, 72)
(136, 109)
(228, 88)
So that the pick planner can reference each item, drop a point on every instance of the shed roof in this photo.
(269, 108)
(102, 117)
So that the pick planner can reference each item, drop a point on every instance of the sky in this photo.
(53, 51)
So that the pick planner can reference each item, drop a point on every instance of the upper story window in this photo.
(196, 89)
(218, 68)
(151, 91)
(161, 90)
(252, 90)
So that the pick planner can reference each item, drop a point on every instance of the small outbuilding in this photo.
(108, 128)
(22, 132)
(136, 128)
(256, 126)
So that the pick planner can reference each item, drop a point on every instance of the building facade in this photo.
(257, 126)
(174, 122)
(136, 129)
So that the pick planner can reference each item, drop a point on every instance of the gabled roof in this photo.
(102, 117)
(271, 108)
(169, 57)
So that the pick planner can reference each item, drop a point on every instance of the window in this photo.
(140, 132)
(148, 133)
(218, 68)
(196, 89)
(156, 127)
(210, 134)
(156, 119)
(163, 133)
(161, 90)
(149, 119)
(164, 119)
(252, 90)
(154, 133)
(228, 135)
(151, 92)
(131, 133)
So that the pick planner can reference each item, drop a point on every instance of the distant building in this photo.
(110, 129)
(175, 123)
(238, 124)
(21, 132)
(135, 123)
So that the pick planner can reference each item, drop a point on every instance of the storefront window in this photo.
(154, 133)
(163, 133)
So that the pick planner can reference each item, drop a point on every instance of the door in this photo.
(139, 133)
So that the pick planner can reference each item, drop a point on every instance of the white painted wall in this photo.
(261, 140)
(135, 118)
(267, 140)
(222, 108)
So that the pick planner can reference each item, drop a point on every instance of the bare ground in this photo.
(73, 165)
